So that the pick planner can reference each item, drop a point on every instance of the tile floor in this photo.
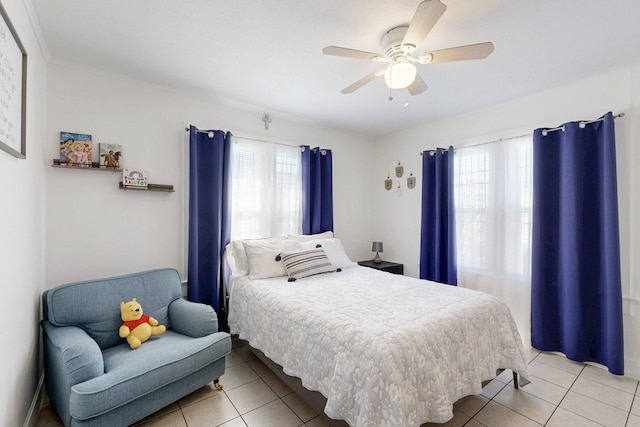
(562, 394)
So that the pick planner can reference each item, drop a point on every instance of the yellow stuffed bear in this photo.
(137, 327)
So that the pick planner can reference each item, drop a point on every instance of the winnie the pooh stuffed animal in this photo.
(137, 327)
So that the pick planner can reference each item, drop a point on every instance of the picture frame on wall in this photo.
(13, 89)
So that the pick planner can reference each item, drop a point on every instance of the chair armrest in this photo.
(192, 319)
(71, 356)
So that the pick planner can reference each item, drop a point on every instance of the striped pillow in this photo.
(306, 263)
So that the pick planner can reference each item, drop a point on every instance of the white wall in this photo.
(95, 230)
(397, 218)
(22, 241)
(60, 225)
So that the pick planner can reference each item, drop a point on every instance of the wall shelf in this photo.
(167, 188)
(150, 187)
(93, 167)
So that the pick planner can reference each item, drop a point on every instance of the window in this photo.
(266, 189)
(493, 199)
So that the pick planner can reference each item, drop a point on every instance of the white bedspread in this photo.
(385, 350)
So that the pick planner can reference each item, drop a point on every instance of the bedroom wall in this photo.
(95, 230)
(398, 213)
(22, 240)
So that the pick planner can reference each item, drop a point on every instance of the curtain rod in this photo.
(245, 137)
(210, 132)
(582, 124)
(484, 143)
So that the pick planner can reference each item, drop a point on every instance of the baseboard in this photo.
(36, 404)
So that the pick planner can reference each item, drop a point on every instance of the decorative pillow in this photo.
(262, 257)
(306, 263)
(334, 250)
(237, 256)
(308, 237)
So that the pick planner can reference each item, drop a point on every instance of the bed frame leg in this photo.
(515, 381)
(218, 386)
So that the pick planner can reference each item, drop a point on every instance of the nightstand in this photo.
(388, 266)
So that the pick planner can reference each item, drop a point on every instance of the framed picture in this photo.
(13, 89)
(110, 156)
(76, 149)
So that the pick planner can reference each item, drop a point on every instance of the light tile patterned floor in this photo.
(562, 394)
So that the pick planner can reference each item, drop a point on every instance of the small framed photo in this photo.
(135, 178)
(110, 156)
(76, 149)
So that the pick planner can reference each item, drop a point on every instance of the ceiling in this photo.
(266, 55)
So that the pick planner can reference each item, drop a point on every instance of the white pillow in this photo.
(307, 237)
(306, 263)
(262, 257)
(334, 250)
(237, 257)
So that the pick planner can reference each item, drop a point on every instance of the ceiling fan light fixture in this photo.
(400, 75)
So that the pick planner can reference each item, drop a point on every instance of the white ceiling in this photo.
(266, 55)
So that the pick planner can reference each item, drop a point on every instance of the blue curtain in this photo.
(576, 296)
(209, 217)
(317, 190)
(438, 229)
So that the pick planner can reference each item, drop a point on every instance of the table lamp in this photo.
(377, 248)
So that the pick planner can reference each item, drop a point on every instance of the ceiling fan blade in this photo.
(460, 53)
(417, 87)
(348, 53)
(363, 81)
(426, 16)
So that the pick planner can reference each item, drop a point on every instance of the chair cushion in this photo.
(94, 305)
(130, 374)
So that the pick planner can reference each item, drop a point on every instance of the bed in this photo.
(383, 349)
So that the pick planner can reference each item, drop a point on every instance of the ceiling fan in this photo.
(400, 43)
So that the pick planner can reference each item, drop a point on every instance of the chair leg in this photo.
(217, 385)
(515, 381)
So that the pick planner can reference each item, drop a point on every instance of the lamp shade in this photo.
(400, 75)
(376, 247)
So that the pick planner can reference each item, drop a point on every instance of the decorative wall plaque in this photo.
(411, 181)
(388, 183)
(399, 171)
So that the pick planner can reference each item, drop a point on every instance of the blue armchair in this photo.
(94, 378)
